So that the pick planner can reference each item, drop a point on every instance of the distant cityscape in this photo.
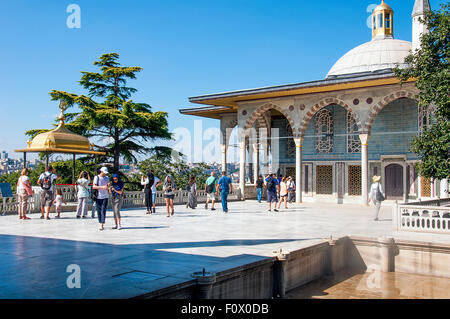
(10, 165)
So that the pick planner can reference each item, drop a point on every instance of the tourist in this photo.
(283, 193)
(211, 190)
(272, 190)
(291, 189)
(259, 186)
(280, 177)
(147, 181)
(156, 184)
(225, 189)
(83, 194)
(192, 193)
(101, 194)
(169, 194)
(116, 190)
(376, 195)
(24, 191)
(46, 181)
(59, 200)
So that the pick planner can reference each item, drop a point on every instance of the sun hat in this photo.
(104, 170)
(376, 179)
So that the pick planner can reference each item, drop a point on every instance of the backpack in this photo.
(46, 183)
(210, 187)
(94, 192)
(271, 184)
(379, 196)
(151, 180)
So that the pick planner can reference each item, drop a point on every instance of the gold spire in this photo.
(383, 22)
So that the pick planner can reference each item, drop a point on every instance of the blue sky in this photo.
(186, 48)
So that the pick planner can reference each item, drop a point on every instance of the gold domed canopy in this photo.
(383, 6)
(60, 140)
(383, 22)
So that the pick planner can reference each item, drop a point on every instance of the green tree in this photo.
(108, 113)
(430, 66)
(178, 169)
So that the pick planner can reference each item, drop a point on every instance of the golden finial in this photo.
(62, 117)
(29, 143)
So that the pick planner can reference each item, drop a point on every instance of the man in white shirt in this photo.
(47, 183)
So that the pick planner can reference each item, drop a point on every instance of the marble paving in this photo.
(152, 251)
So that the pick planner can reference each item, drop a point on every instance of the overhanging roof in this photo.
(227, 102)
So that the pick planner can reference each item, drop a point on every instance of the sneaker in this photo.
(84, 216)
(42, 217)
(119, 227)
(115, 227)
(48, 218)
(213, 208)
(57, 216)
(101, 227)
(78, 216)
(275, 210)
(270, 210)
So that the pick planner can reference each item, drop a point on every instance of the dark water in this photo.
(375, 285)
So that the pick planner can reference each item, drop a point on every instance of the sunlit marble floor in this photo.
(375, 286)
(152, 251)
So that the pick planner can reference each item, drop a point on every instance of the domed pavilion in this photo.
(333, 135)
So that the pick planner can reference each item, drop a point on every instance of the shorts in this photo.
(46, 198)
(272, 197)
(172, 197)
(211, 196)
(154, 198)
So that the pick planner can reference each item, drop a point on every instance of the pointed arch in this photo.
(259, 114)
(383, 103)
(324, 103)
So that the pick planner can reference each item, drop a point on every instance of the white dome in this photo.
(373, 56)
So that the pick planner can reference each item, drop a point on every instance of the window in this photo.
(290, 143)
(380, 20)
(388, 21)
(374, 23)
(353, 142)
(324, 131)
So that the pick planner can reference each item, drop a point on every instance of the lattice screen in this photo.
(324, 180)
(324, 131)
(354, 180)
(425, 186)
(353, 142)
(290, 143)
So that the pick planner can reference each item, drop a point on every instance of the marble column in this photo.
(224, 157)
(266, 158)
(298, 170)
(405, 187)
(255, 162)
(242, 169)
(364, 168)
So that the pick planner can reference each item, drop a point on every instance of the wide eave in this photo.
(221, 103)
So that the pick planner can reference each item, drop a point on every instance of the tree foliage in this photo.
(430, 66)
(109, 114)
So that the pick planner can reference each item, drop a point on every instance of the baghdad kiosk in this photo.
(356, 123)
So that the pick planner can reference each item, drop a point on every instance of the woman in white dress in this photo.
(376, 195)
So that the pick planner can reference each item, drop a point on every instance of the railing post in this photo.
(395, 216)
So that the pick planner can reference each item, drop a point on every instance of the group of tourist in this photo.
(103, 188)
(279, 190)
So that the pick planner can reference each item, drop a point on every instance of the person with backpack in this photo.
(211, 190)
(226, 188)
(259, 188)
(24, 191)
(47, 183)
(376, 195)
(272, 188)
(192, 193)
(100, 193)
(147, 181)
(83, 194)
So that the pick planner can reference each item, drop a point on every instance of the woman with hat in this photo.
(376, 194)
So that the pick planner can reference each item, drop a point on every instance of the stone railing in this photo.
(423, 216)
(131, 199)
